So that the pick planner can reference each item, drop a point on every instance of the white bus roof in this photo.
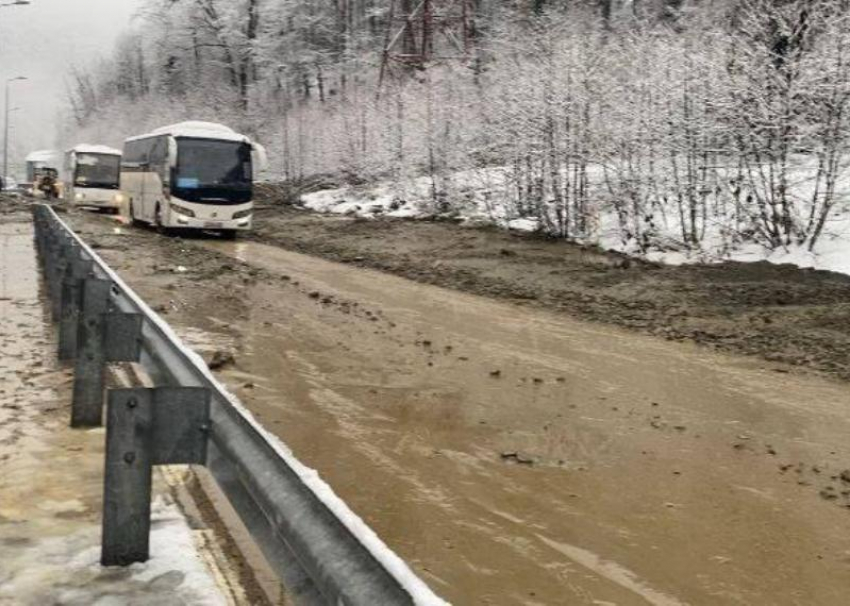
(200, 130)
(45, 155)
(84, 148)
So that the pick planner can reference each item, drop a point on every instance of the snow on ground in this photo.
(66, 569)
(479, 195)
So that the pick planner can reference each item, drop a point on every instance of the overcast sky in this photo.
(43, 41)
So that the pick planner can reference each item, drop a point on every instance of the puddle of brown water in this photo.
(655, 468)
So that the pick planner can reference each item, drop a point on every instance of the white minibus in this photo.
(91, 176)
(192, 175)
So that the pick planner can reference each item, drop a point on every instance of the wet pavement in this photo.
(516, 456)
(51, 477)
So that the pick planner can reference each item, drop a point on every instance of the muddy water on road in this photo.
(517, 457)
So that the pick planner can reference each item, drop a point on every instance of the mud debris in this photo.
(221, 359)
(517, 457)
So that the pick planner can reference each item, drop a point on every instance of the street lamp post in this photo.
(5, 173)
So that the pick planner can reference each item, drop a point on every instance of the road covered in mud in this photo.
(514, 454)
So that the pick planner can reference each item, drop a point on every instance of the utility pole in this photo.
(5, 173)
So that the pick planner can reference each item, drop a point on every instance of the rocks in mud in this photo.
(828, 494)
(844, 476)
(221, 359)
(517, 457)
(496, 373)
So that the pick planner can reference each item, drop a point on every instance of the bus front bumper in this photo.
(98, 199)
(179, 220)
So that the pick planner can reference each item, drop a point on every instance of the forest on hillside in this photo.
(725, 119)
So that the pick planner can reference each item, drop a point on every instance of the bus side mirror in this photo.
(259, 157)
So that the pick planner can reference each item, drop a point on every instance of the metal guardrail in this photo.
(322, 552)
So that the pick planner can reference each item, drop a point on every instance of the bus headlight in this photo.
(182, 210)
(119, 198)
(79, 197)
(242, 214)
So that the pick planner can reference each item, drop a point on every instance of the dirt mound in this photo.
(779, 312)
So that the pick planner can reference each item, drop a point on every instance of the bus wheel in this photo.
(228, 234)
(133, 220)
(160, 228)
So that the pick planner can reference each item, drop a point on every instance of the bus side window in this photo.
(159, 158)
(137, 153)
(131, 156)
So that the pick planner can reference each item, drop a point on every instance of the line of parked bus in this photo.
(191, 175)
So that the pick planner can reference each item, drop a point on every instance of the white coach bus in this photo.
(191, 175)
(91, 176)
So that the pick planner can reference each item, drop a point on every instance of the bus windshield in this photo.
(213, 171)
(97, 170)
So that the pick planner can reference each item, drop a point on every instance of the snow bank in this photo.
(480, 195)
(66, 569)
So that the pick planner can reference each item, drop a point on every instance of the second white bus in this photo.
(91, 177)
(192, 175)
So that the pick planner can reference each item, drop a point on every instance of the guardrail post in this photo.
(50, 260)
(64, 252)
(72, 293)
(87, 403)
(127, 483)
(146, 427)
